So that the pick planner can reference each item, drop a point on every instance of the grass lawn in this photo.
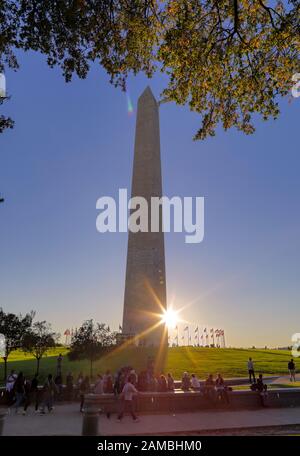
(230, 362)
(271, 386)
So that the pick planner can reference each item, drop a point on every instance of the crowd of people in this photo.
(125, 384)
(21, 392)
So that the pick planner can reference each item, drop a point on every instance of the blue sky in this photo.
(73, 143)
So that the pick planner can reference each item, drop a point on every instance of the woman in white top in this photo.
(195, 384)
(98, 388)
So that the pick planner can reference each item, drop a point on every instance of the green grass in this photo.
(230, 362)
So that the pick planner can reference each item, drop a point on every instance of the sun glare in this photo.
(170, 318)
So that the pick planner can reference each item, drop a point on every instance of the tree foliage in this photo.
(14, 328)
(91, 341)
(38, 340)
(5, 122)
(226, 59)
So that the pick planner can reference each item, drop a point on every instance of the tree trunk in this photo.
(91, 370)
(5, 368)
(38, 365)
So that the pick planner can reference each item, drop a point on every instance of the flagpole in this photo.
(213, 336)
(206, 337)
(197, 335)
(177, 337)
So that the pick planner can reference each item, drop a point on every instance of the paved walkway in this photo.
(285, 380)
(66, 420)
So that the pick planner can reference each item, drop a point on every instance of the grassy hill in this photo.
(230, 362)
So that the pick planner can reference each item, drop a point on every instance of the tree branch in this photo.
(268, 9)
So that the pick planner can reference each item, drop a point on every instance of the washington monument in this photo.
(145, 286)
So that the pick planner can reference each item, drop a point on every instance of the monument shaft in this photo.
(145, 287)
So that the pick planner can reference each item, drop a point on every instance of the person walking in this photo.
(98, 388)
(292, 370)
(31, 394)
(118, 384)
(19, 391)
(84, 388)
(127, 400)
(59, 387)
(49, 389)
(70, 386)
(9, 386)
(79, 380)
(250, 366)
(59, 365)
(26, 395)
(108, 382)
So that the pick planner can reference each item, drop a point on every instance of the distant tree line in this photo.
(21, 333)
(91, 341)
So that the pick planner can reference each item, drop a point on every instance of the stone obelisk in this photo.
(145, 287)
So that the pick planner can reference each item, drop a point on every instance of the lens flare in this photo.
(170, 319)
(129, 104)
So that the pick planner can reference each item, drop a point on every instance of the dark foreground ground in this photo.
(66, 420)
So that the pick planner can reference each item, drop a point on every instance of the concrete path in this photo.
(285, 380)
(66, 420)
(234, 381)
